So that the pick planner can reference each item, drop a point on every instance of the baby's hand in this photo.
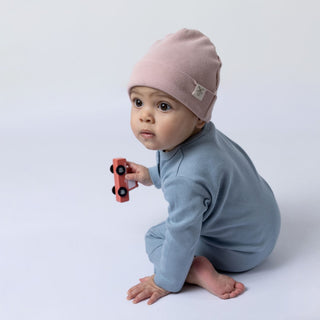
(146, 289)
(139, 173)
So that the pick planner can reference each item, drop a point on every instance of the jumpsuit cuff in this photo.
(171, 286)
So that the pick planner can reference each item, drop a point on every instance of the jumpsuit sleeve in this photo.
(188, 202)
(155, 172)
(155, 176)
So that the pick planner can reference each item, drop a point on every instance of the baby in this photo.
(222, 215)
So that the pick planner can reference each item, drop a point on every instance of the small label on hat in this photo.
(199, 92)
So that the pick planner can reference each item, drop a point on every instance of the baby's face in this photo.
(159, 121)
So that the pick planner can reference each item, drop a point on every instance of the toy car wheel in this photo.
(111, 168)
(121, 170)
(114, 190)
(122, 192)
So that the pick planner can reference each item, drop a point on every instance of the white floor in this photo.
(68, 250)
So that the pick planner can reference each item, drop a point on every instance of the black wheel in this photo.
(114, 190)
(122, 192)
(111, 168)
(121, 170)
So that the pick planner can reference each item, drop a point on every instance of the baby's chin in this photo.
(154, 147)
(148, 146)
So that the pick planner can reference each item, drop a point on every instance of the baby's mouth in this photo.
(147, 133)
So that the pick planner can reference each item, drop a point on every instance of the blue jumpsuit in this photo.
(219, 207)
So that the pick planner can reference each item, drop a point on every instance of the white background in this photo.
(68, 250)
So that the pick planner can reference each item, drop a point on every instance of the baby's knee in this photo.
(156, 232)
(154, 239)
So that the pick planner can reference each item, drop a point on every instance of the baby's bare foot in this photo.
(203, 274)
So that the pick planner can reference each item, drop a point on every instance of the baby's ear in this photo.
(200, 123)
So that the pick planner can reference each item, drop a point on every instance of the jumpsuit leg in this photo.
(154, 240)
(229, 260)
(221, 258)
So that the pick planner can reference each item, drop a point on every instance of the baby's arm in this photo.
(139, 173)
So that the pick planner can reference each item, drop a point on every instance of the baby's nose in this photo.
(146, 115)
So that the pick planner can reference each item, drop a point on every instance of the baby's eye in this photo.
(138, 103)
(164, 106)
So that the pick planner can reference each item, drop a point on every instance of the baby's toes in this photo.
(238, 289)
(225, 296)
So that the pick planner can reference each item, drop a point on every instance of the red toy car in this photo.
(122, 186)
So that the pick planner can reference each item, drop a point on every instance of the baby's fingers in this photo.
(132, 176)
(144, 279)
(155, 297)
(134, 291)
(133, 167)
(145, 294)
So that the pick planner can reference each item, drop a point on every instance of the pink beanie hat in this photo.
(184, 65)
